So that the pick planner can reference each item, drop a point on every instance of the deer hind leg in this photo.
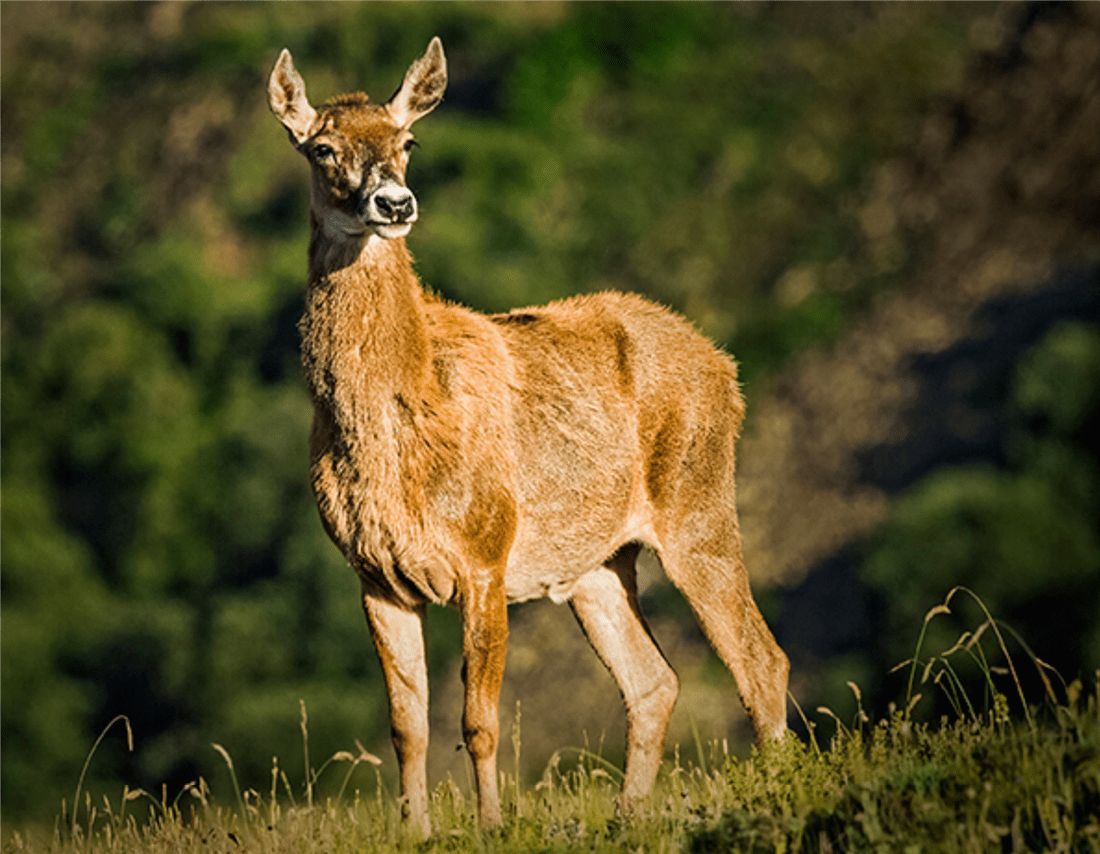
(605, 603)
(709, 570)
(399, 638)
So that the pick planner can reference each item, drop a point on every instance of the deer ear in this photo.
(423, 87)
(286, 94)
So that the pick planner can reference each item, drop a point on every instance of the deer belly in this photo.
(557, 542)
(549, 572)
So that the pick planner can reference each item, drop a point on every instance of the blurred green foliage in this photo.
(1026, 534)
(161, 553)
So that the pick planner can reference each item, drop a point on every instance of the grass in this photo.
(980, 780)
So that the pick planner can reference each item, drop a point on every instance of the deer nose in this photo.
(390, 203)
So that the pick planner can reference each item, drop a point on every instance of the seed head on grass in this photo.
(125, 721)
(232, 775)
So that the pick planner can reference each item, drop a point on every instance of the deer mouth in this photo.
(390, 230)
(342, 227)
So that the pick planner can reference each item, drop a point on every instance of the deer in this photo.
(476, 460)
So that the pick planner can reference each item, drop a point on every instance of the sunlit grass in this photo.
(980, 780)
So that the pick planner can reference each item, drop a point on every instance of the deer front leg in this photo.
(399, 638)
(485, 642)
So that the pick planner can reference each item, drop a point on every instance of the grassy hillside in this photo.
(979, 780)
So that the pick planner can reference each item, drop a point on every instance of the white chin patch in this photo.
(393, 230)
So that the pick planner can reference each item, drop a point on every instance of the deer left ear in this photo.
(423, 87)
(286, 94)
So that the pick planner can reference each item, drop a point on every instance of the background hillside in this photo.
(889, 214)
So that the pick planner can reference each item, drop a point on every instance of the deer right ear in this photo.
(422, 89)
(286, 95)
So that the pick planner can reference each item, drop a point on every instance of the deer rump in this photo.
(473, 460)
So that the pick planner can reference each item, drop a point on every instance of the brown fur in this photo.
(476, 461)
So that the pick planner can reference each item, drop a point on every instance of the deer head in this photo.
(359, 151)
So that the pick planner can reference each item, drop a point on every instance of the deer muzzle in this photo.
(389, 208)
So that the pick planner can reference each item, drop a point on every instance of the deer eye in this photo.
(410, 144)
(323, 152)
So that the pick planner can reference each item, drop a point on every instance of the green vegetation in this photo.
(978, 781)
(1033, 519)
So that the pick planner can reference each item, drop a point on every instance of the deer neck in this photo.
(365, 345)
